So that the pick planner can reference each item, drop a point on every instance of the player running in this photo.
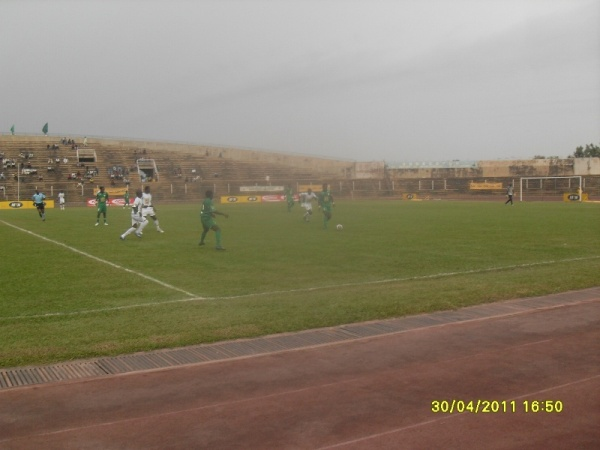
(138, 221)
(101, 203)
(207, 214)
(40, 204)
(306, 199)
(326, 204)
(289, 198)
(148, 208)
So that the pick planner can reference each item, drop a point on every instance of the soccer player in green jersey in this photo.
(289, 198)
(101, 203)
(326, 204)
(126, 199)
(207, 216)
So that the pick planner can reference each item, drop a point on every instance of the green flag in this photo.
(45, 129)
(12, 130)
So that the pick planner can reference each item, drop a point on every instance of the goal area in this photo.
(550, 188)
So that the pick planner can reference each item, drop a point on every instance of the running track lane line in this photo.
(322, 386)
(449, 416)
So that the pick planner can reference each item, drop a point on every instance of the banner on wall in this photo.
(111, 202)
(240, 199)
(313, 187)
(23, 204)
(583, 197)
(116, 192)
(261, 188)
(273, 198)
(485, 186)
(253, 198)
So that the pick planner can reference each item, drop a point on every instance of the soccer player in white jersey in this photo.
(61, 200)
(148, 208)
(138, 221)
(306, 199)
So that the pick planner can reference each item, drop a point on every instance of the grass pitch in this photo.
(72, 290)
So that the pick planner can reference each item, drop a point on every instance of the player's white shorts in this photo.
(307, 206)
(148, 211)
(136, 219)
(61, 201)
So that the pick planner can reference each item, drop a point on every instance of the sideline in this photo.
(103, 261)
(194, 297)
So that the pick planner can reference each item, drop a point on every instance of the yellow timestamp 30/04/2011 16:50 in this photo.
(496, 406)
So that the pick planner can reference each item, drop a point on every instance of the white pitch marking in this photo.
(95, 258)
(260, 294)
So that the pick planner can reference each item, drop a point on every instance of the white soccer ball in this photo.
(339, 227)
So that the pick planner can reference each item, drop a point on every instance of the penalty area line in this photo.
(103, 261)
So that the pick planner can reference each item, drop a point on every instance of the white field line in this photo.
(103, 261)
(416, 278)
(289, 291)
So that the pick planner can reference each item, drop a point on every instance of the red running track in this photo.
(371, 393)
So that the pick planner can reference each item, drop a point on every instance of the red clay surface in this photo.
(372, 393)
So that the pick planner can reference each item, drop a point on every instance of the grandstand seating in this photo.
(184, 172)
(181, 175)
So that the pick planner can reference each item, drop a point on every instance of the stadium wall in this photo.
(506, 168)
(315, 163)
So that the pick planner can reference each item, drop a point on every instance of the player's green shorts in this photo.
(208, 222)
(102, 208)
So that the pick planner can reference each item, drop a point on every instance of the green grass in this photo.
(278, 274)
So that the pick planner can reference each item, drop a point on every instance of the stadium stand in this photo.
(182, 172)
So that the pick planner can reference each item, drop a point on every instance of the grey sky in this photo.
(404, 80)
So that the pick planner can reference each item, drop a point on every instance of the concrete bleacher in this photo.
(182, 175)
(47, 159)
(183, 172)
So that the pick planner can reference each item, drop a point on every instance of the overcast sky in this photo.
(369, 80)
